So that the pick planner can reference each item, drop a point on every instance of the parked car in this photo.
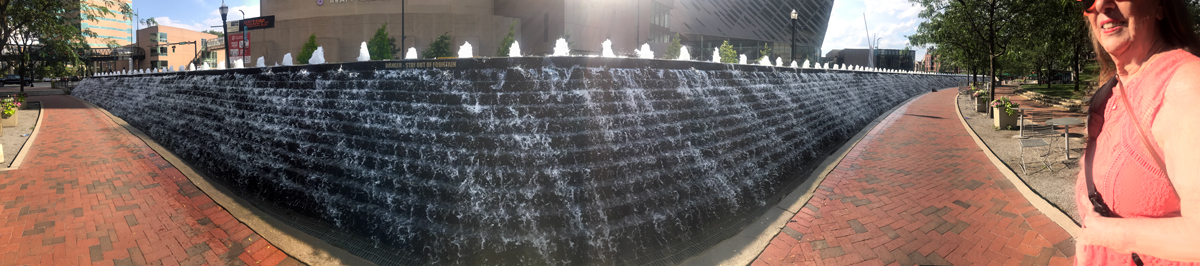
(12, 79)
(16, 79)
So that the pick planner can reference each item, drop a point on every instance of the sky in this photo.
(191, 14)
(891, 20)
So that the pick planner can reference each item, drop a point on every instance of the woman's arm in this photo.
(1177, 131)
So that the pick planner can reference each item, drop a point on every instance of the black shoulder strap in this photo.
(1095, 125)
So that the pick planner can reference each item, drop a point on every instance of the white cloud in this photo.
(889, 20)
(213, 18)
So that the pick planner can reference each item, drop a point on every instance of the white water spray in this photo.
(465, 50)
(363, 53)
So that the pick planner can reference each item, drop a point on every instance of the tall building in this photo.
(748, 25)
(112, 27)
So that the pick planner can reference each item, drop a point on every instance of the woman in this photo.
(1148, 47)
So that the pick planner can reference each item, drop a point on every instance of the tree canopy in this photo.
(42, 34)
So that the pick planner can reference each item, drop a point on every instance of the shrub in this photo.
(307, 50)
(507, 42)
(381, 46)
(728, 55)
(440, 47)
(673, 49)
(765, 52)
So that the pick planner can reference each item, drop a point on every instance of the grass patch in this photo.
(1066, 91)
(1089, 71)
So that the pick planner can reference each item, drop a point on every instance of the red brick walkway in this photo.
(918, 190)
(91, 193)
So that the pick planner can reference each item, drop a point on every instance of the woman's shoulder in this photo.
(1178, 113)
(1185, 81)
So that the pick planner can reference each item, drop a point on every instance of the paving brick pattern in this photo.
(917, 190)
(90, 193)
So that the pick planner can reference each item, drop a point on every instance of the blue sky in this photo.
(193, 14)
(892, 20)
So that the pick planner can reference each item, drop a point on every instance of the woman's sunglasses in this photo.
(1089, 6)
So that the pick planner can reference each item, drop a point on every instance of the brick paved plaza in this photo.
(90, 193)
(917, 190)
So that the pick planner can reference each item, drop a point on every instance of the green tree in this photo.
(985, 28)
(765, 52)
(214, 32)
(728, 55)
(307, 50)
(673, 49)
(37, 34)
(149, 22)
(380, 46)
(440, 47)
(508, 40)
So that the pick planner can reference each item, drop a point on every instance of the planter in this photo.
(1003, 120)
(8, 121)
(981, 104)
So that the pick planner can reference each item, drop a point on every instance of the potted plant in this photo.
(21, 97)
(9, 117)
(981, 101)
(1004, 115)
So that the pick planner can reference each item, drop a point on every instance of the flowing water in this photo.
(570, 164)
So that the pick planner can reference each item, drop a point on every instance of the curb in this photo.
(28, 145)
(744, 247)
(1037, 201)
(305, 248)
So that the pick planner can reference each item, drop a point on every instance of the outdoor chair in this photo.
(1040, 135)
(1034, 143)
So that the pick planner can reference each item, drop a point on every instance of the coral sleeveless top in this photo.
(1125, 174)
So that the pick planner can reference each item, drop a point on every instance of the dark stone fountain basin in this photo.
(561, 160)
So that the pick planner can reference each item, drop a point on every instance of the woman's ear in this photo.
(1159, 12)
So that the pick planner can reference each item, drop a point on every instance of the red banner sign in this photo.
(239, 48)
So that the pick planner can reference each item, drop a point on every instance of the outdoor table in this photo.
(1066, 122)
(1022, 110)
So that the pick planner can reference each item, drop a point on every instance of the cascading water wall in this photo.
(562, 160)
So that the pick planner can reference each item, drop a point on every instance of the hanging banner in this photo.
(239, 48)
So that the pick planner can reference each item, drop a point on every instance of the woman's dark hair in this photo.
(1175, 29)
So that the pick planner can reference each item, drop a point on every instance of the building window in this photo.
(158, 37)
(158, 64)
(662, 15)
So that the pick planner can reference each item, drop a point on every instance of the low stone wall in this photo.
(513, 161)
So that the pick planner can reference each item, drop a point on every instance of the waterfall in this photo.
(543, 161)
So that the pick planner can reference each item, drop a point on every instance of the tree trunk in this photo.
(1075, 63)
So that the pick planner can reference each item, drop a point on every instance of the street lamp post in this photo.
(225, 30)
(794, 16)
(241, 48)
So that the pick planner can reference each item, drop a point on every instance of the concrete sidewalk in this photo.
(92, 193)
(917, 190)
